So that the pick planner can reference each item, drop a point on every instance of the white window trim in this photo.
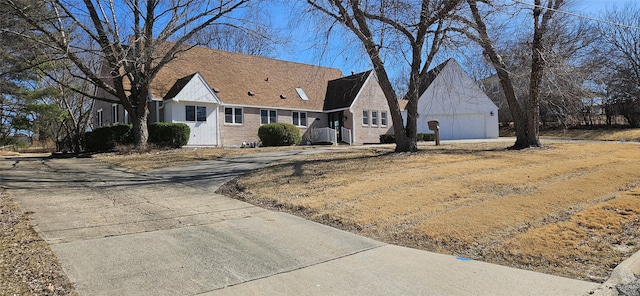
(115, 116)
(376, 124)
(386, 118)
(233, 116)
(100, 117)
(367, 117)
(293, 117)
(268, 116)
(125, 118)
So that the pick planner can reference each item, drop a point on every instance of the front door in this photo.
(336, 122)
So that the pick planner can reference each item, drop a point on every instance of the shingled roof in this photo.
(246, 80)
(341, 92)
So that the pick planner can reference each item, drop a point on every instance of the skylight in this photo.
(301, 93)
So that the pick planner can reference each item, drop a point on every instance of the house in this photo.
(225, 97)
(356, 104)
(450, 96)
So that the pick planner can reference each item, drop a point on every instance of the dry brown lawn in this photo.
(27, 264)
(569, 209)
(160, 159)
(602, 134)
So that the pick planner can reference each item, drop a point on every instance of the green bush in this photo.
(420, 137)
(167, 134)
(387, 138)
(279, 134)
(425, 137)
(106, 138)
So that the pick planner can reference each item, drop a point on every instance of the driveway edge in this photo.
(625, 273)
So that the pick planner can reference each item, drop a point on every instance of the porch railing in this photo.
(345, 135)
(324, 135)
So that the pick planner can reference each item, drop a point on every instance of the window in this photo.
(383, 118)
(365, 117)
(300, 118)
(495, 87)
(268, 116)
(233, 115)
(114, 114)
(190, 113)
(302, 94)
(99, 117)
(374, 118)
(201, 113)
(126, 117)
(196, 113)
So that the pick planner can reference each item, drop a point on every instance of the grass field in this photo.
(569, 209)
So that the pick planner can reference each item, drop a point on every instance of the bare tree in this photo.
(526, 118)
(257, 36)
(133, 38)
(622, 42)
(412, 30)
(565, 84)
(70, 128)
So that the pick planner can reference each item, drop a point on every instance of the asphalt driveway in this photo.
(167, 233)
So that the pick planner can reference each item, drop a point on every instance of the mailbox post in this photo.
(434, 125)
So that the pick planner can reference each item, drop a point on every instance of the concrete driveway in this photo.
(167, 233)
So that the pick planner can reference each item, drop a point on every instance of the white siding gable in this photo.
(462, 108)
(454, 92)
(197, 91)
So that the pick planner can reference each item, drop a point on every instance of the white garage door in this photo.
(461, 126)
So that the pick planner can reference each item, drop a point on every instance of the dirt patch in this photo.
(27, 264)
(569, 209)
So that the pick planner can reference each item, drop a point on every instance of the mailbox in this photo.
(433, 125)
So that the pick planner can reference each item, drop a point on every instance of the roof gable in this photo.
(246, 80)
(343, 91)
(192, 88)
(431, 76)
(178, 86)
(453, 91)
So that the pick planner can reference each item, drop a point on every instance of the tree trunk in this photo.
(140, 130)
(537, 69)
(406, 137)
(517, 115)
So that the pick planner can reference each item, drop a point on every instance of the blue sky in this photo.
(306, 47)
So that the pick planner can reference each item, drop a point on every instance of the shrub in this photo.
(167, 134)
(279, 134)
(390, 138)
(387, 138)
(106, 138)
(425, 137)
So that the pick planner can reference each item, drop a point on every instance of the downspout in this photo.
(353, 129)
(157, 111)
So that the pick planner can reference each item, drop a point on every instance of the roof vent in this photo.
(283, 97)
(215, 90)
(301, 93)
(251, 94)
